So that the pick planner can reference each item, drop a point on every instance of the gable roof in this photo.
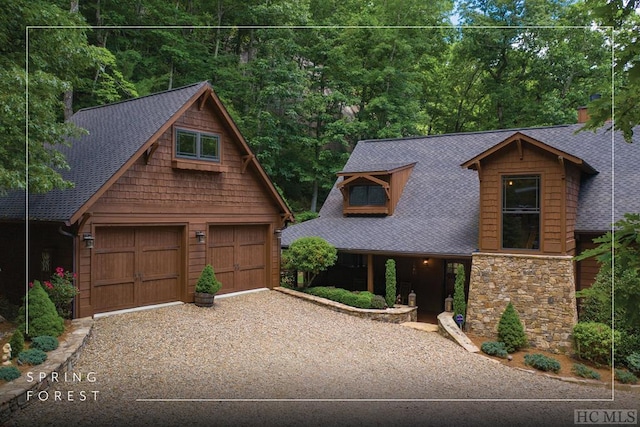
(439, 208)
(118, 134)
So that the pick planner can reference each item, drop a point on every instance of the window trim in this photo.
(198, 155)
(187, 162)
(529, 211)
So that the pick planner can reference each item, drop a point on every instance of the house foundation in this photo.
(541, 289)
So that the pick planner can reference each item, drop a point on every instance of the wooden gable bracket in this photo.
(561, 161)
(245, 162)
(519, 144)
(83, 220)
(203, 100)
(479, 169)
(149, 153)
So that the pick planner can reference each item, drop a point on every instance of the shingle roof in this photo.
(116, 132)
(438, 211)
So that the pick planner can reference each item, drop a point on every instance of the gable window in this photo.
(521, 212)
(367, 195)
(197, 145)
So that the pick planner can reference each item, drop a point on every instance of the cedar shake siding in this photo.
(142, 202)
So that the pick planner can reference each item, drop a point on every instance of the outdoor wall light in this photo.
(200, 236)
(88, 240)
(425, 261)
(412, 299)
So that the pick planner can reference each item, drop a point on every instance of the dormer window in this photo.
(373, 192)
(367, 195)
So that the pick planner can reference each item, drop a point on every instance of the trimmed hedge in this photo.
(356, 299)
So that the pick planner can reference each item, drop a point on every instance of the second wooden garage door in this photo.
(238, 255)
(135, 266)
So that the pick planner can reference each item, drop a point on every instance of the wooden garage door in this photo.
(238, 255)
(135, 266)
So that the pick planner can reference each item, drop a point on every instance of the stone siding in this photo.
(541, 289)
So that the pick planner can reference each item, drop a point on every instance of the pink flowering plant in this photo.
(61, 290)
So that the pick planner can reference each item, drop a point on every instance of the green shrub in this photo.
(633, 362)
(61, 290)
(44, 343)
(494, 348)
(305, 216)
(584, 371)
(33, 356)
(207, 282)
(9, 373)
(390, 282)
(359, 299)
(459, 304)
(43, 316)
(378, 302)
(593, 342)
(541, 362)
(626, 344)
(510, 330)
(625, 377)
(309, 255)
(17, 343)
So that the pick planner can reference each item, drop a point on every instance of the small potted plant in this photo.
(206, 287)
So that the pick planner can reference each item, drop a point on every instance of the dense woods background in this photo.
(306, 79)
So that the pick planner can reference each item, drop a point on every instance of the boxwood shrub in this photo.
(542, 362)
(359, 299)
(593, 342)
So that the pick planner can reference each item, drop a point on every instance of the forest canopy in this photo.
(306, 79)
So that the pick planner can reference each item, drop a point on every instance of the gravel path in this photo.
(244, 360)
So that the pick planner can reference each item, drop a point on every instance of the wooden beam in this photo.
(149, 153)
(203, 100)
(561, 161)
(245, 162)
(519, 144)
(370, 273)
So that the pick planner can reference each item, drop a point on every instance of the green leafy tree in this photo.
(43, 318)
(309, 255)
(58, 60)
(510, 330)
(459, 300)
(390, 281)
(623, 19)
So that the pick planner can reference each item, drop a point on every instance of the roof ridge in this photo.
(141, 97)
(408, 138)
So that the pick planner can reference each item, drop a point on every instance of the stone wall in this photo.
(541, 289)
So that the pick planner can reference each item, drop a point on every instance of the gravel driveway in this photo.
(267, 358)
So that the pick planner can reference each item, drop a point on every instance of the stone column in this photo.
(541, 289)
